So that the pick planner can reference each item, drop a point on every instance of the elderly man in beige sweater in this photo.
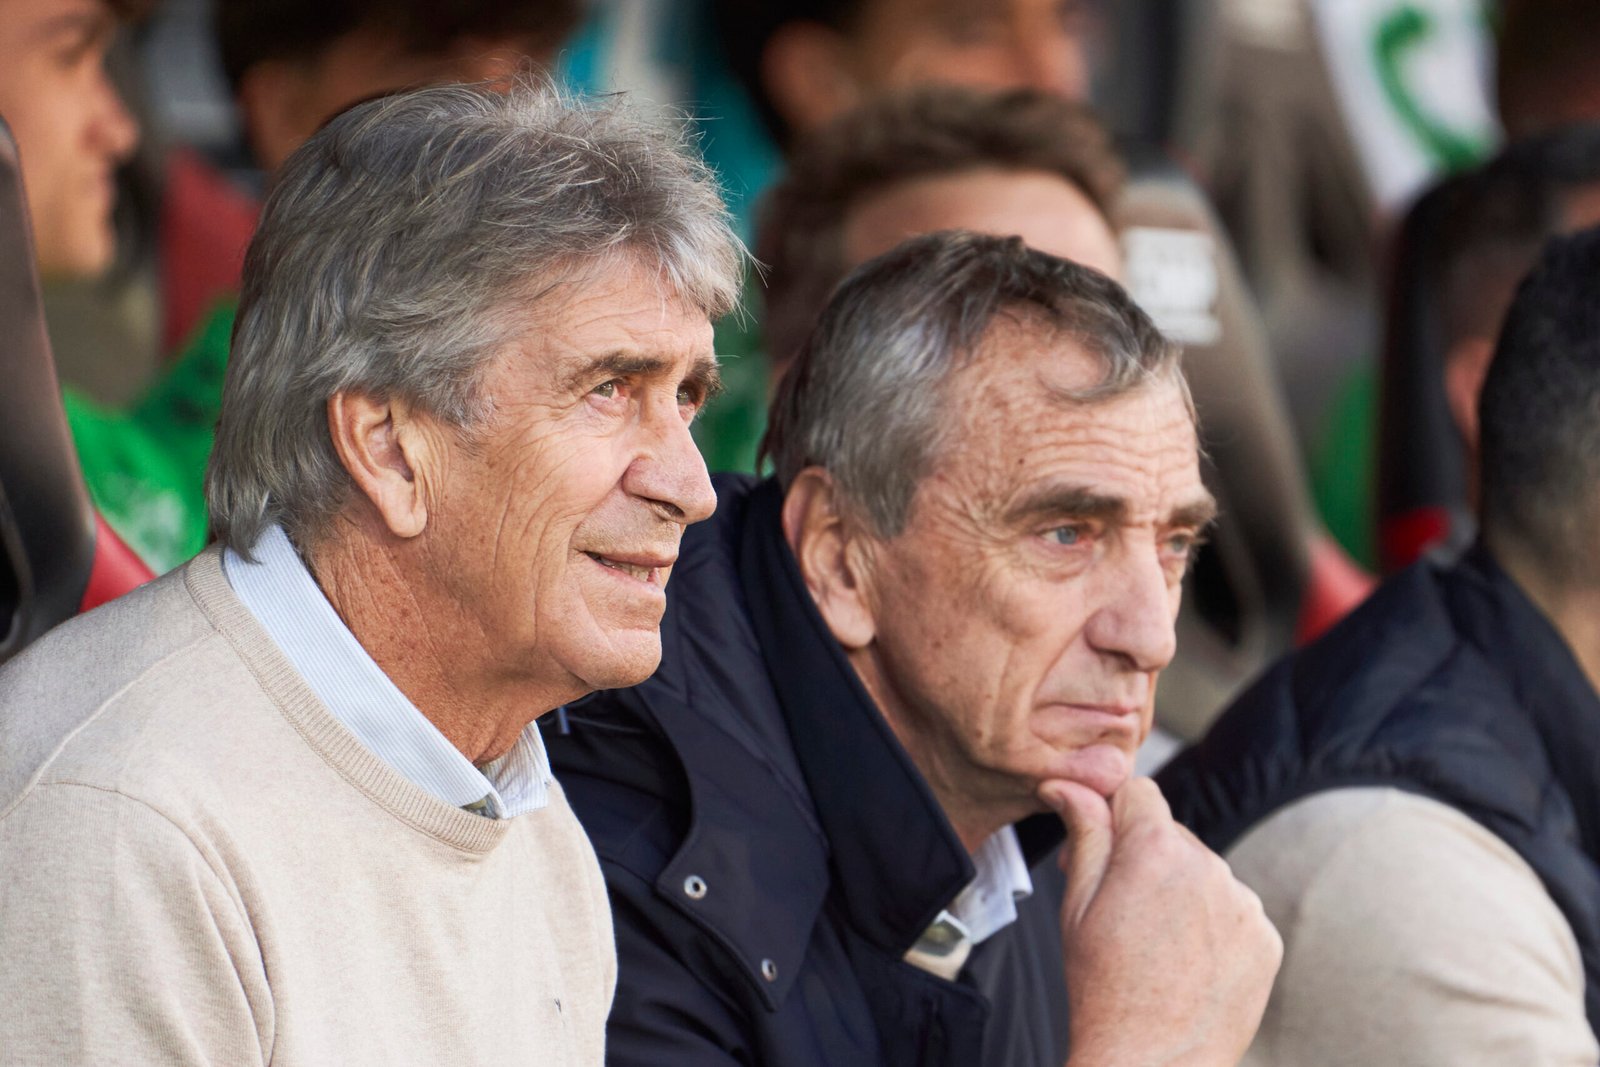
(289, 804)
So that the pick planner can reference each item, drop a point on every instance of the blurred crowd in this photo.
(1329, 204)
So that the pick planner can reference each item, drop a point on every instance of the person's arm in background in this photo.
(1412, 935)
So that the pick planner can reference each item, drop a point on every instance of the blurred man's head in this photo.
(1540, 421)
(294, 64)
(1547, 75)
(992, 488)
(1020, 163)
(805, 62)
(1489, 238)
(71, 127)
(1489, 235)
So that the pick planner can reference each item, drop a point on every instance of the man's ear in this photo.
(805, 72)
(1465, 367)
(833, 556)
(388, 452)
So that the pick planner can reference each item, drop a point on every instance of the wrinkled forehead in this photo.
(1026, 406)
(1026, 348)
(572, 284)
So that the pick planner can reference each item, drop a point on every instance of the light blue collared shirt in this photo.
(286, 601)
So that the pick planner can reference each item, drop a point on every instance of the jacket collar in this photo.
(1511, 632)
(896, 859)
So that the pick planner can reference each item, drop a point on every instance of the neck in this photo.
(1572, 607)
(977, 803)
(422, 641)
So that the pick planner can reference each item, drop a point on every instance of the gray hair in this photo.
(865, 399)
(402, 246)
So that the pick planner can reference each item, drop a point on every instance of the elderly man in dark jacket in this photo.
(1417, 796)
(890, 673)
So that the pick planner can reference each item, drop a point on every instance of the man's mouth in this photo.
(642, 570)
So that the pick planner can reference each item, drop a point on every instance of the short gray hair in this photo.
(401, 246)
(865, 399)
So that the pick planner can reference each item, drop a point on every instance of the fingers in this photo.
(1139, 803)
(1155, 928)
(1087, 851)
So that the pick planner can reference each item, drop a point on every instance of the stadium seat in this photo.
(56, 557)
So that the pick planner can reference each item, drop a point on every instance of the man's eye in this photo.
(965, 29)
(1067, 535)
(690, 396)
(606, 389)
(1186, 545)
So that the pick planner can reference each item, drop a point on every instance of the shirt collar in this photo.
(281, 593)
(989, 903)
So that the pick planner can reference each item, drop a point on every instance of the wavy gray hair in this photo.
(865, 399)
(403, 244)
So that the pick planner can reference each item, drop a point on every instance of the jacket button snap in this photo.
(694, 887)
(769, 970)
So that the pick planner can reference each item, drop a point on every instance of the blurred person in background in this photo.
(293, 64)
(1415, 796)
(936, 158)
(806, 62)
(1545, 72)
(71, 127)
(800, 64)
(1491, 227)
(1549, 101)
(894, 673)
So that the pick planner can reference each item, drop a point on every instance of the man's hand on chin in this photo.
(1169, 959)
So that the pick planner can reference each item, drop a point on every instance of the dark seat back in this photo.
(48, 528)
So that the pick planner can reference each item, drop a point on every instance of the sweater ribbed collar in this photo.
(328, 737)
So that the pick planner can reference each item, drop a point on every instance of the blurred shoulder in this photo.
(1411, 935)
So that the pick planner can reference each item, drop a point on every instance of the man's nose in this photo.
(116, 131)
(1051, 59)
(671, 470)
(1134, 618)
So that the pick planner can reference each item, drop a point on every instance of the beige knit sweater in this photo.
(200, 865)
(1412, 937)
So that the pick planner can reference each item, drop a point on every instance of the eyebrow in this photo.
(703, 371)
(1077, 502)
(89, 24)
(1198, 513)
(1080, 503)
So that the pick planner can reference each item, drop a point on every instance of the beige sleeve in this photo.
(120, 943)
(1412, 936)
